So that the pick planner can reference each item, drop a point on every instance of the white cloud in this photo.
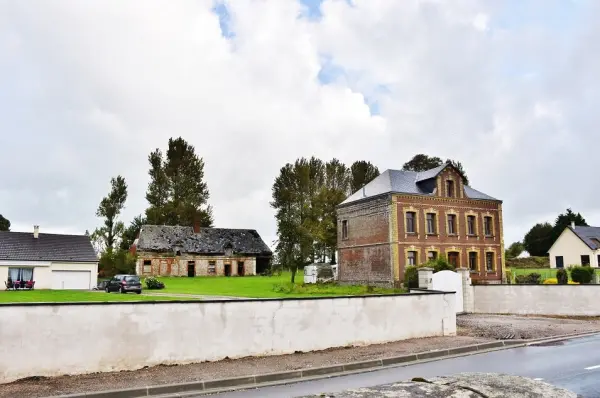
(88, 89)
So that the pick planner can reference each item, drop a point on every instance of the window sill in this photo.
(471, 236)
(452, 234)
(411, 233)
(432, 234)
(489, 236)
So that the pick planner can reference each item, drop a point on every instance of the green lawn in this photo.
(261, 286)
(546, 273)
(55, 296)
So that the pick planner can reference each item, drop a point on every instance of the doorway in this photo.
(227, 269)
(240, 268)
(191, 269)
(453, 259)
(560, 262)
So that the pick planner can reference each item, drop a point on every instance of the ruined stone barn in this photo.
(192, 251)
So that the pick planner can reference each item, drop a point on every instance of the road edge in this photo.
(293, 376)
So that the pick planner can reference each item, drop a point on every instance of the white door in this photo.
(71, 280)
(449, 281)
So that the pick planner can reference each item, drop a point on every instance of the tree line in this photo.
(176, 195)
(538, 240)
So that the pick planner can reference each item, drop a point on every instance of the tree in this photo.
(422, 162)
(109, 209)
(4, 224)
(539, 239)
(563, 221)
(514, 250)
(177, 193)
(130, 233)
(361, 173)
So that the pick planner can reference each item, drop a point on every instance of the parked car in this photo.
(124, 284)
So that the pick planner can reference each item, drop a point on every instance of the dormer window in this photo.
(450, 188)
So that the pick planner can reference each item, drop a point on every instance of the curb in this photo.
(219, 385)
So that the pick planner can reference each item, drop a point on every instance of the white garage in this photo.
(71, 280)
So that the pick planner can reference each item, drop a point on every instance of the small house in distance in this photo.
(576, 245)
(193, 251)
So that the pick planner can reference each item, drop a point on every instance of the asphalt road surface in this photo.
(572, 364)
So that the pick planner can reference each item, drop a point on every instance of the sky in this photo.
(89, 89)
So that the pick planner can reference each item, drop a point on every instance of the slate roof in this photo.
(409, 182)
(163, 238)
(22, 246)
(589, 235)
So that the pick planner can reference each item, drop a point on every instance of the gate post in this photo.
(425, 275)
(467, 290)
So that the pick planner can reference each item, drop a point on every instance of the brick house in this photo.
(192, 251)
(405, 218)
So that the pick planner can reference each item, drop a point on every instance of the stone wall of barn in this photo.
(166, 264)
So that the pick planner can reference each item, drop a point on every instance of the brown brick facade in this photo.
(156, 264)
(378, 244)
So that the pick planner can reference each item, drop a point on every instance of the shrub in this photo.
(411, 277)
(562, 277)
(550, 281)
(528, 262)
(533, 279)
(440, 264)
(582, 274)
(509, 276)
(154, 283)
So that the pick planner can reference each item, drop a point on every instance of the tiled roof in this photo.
(410, 182)
(589, 235)
(22, 246)
(163, 238)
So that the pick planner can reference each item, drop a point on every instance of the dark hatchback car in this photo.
(124, 284)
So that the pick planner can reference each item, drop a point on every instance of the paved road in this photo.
(573, 364)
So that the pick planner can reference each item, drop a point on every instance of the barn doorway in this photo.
(191, 269)
(240, 268)
(227, 269)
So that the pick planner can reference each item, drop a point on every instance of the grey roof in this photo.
(409, 182)
(165, 238)
(22, 246)
(589, 235)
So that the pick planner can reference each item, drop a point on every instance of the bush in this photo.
(411, 277)
(154, 283)
(582, 274)
(509, 276)
(562, 277)
(532, 279)
(440, 264)
(554, 281)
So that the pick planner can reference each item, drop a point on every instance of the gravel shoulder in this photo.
(509, 327)
(472, 329)
(158, 375)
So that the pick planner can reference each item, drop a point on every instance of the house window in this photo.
(489, 261)
(473, 261)
(450, 188)
(487, 225)
(431, 256)
(471, 225)
(451, 224)
(212, 267)
(431, 223)
(345, 229)
(585, 260)
(412, 258)
(410, 222)
(453, 259)
(20, 274)
(147, 267)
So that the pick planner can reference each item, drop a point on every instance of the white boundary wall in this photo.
(57, 339)
(574, 300)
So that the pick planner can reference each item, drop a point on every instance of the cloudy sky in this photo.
(89, 88)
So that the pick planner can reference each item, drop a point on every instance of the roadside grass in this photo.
(64, 296)
(260, 287)
(546, 273)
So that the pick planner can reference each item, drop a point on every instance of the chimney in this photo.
(573, 224)
(196, 226)
(36, 231)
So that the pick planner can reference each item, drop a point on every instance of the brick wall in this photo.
(365, 255)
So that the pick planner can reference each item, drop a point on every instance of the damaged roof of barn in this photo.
(169, 238)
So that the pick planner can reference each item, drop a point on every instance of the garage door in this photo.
(71, 280)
